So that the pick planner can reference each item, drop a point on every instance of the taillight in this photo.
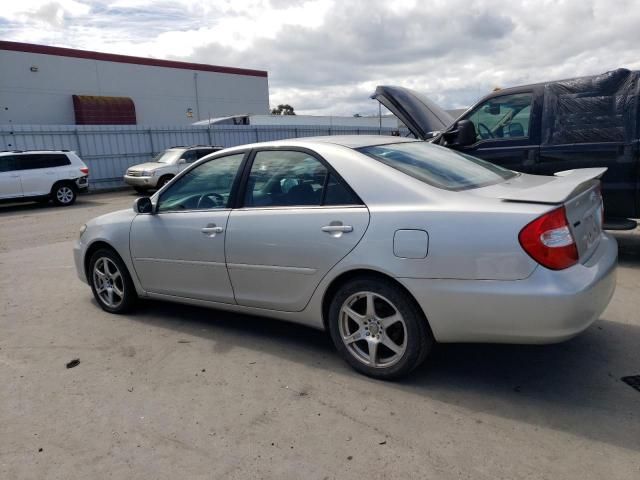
(548, 240)
(85, 170)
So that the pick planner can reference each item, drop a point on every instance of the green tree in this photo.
(283, 109)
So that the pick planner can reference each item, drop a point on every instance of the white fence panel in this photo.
(108, 150)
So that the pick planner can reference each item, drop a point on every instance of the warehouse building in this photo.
(45, 85)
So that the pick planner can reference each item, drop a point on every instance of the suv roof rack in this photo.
(36, 150)
(196, 146)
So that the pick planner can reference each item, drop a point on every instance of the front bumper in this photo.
(78, 256)
(547, 307)
(148, 182)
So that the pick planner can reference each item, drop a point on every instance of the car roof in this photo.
(20, 152)
(349, 141)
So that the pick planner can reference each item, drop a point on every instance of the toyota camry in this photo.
(389, 244)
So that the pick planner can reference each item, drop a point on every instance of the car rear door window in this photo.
(7, 163)
(207, 186)
(285, 178)
(337, 193)
(41, 160)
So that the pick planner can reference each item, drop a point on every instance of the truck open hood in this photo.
(417, 112)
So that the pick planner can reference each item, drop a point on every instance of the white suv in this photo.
(42, 175)
(156, 173)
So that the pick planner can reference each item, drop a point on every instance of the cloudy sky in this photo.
(327, 56)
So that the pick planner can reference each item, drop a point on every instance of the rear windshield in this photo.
(438, 166)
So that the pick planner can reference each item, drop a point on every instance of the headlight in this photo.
(83, 229)
(148, 173)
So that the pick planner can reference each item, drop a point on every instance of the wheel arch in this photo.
(93, 248)
(64, 181)
(350, 275)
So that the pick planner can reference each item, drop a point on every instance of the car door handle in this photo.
(337, 228)
(212, 230)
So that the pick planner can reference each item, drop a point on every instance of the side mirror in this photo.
(143, 205)
(463, 134)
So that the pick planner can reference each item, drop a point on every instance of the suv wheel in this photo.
(163, 181)
(378, 328)
(63, 194)
(110, 282)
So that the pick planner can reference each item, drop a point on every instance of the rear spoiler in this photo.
(567, 183)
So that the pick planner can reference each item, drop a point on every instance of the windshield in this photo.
(438, 166)
(168, 156)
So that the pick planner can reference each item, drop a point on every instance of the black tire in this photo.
(124, 284)
(162, 181)
(416, 337)
(140, 190)
(64, 194)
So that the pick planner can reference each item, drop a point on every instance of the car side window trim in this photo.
(239, 198)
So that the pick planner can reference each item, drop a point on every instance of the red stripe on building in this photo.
(110, 57)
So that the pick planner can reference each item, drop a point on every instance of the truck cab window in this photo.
(502, 117)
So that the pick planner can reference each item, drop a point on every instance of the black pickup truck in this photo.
(543, 129)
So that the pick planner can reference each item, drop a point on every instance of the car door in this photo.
(506, 133)
(39, 171)
(296, 219)
(10, 186)
(179, 249)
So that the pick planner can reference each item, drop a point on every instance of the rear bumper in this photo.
(83, 184)
(149, 182)
(547, 307)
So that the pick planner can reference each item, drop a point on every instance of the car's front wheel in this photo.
(378, 328)
(111, 284)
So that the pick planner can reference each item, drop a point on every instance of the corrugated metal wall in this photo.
(109, 150)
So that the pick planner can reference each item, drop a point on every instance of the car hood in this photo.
(148, 166)
(421, 115)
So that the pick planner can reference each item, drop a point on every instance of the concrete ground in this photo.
(181, 392)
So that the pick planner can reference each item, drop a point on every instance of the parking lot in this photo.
(175, 391)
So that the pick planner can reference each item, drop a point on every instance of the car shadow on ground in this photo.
(573, 387)
(6, 209)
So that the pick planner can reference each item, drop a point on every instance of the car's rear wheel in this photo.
(378, 328)
(111, 284)
(63, 194)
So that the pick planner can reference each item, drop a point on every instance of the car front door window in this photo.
(205, 187)
(503, 117)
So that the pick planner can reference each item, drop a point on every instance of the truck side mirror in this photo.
(143, 205)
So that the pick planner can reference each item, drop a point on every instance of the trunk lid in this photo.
(422, 116)
(577, 190)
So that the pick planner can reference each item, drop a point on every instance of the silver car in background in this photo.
(390, 244)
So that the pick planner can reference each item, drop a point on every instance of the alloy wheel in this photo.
(64, 195)
(372, 329)
(108, 282)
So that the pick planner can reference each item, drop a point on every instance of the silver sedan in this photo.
(389, 244)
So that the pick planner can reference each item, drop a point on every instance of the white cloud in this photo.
(327, 56)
